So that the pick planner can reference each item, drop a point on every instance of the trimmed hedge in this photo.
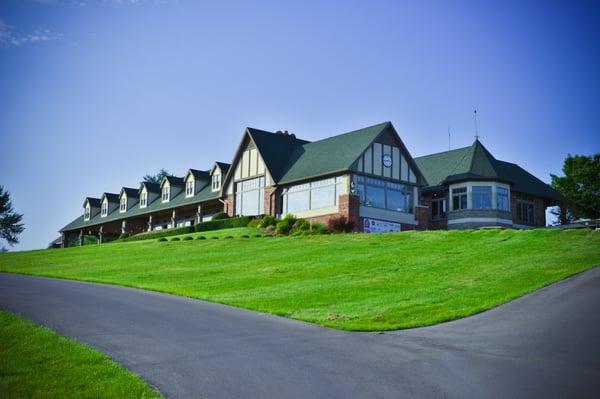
(160, 233)
(223, 223)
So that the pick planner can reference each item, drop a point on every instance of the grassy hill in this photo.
(354, 281)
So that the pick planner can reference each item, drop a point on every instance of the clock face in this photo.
(387, 160)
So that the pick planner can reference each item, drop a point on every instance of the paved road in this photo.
(545, 345)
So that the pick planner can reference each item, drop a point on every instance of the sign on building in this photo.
(380, 226)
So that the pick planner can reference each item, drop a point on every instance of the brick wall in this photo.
(272, 201)
(229, 206)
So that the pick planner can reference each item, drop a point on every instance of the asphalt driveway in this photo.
(544, 345)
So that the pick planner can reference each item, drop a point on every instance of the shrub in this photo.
(214, 237)
(161, 233)
(187, 238)
(258, 235)
(245, 236)
(241, 221)
(200, 238)
(254, 223)
(301, 227)
(220, 216)
(285, 225)
(175, 239)
(162, 239)
(340, 224)
(319, 228)
(228, 237)
(268, 221)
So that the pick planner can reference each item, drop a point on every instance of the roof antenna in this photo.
(476, 127)
(448, 137)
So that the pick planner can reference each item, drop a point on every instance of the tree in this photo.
(10, 221)
(157, 178)
(580, 186)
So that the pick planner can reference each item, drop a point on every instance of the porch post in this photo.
(199, 214)
(100, 234)
(80, 238)
(150, 223)
(64, 237)
(173, 217)
(124, 227)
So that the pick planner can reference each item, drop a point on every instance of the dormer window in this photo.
(87, 212)
(123, 205)
(189, 188)
(216, 182)
(104, 209)
(143, 199)
(166, 193)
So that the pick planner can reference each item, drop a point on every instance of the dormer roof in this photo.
(150, 187)
(111, 197)
(130, 192)
(198, 174)
(94, 202)
(222, 165)
(173, 181)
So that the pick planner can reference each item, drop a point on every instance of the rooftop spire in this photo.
(476, 127)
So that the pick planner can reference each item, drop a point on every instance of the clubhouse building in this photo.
(367, 175)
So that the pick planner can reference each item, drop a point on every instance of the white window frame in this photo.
(104, 209)
(165, 194)
(143, 199)
(87, 212)
(123, 204)
(216, 182)
(190, 187)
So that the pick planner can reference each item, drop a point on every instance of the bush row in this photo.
(160, 233)
(219, 224)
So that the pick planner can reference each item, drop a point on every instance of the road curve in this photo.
(546, 345)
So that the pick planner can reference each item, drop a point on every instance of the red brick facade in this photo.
(229, 206)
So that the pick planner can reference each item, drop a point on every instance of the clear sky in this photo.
(95, 94)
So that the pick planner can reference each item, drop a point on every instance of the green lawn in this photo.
(353, 281)
(35, 362)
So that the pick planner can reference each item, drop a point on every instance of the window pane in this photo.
(396, 201)
(298, 201)
(322, 197)
(375, 197)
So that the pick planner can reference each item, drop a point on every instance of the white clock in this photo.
(387, 160)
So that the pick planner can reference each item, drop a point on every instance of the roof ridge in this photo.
(350, 132)
(443, 152)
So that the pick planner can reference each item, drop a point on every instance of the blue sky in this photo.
(95, 94)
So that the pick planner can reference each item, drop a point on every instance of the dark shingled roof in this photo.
(131, 192)
(329, 155)
(199, 174)
(111, 197)
(175, 181)
(477, 163)
(94, 202)
(150, 187)
(224, 167)
(157, 205)
(275, 149)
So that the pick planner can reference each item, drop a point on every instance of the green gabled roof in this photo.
(275, 149)
(476, 162)
(179, 200)
(329, 155)
(131, 192)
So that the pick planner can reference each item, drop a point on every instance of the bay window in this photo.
(502, 198)
(249, 197)
(481, 197)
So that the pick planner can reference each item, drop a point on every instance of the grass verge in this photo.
(353, 281)
(35, 362)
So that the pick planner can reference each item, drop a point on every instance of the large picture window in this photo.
(482, 197)
(313, 195)
(249, 197)
(385, 195)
